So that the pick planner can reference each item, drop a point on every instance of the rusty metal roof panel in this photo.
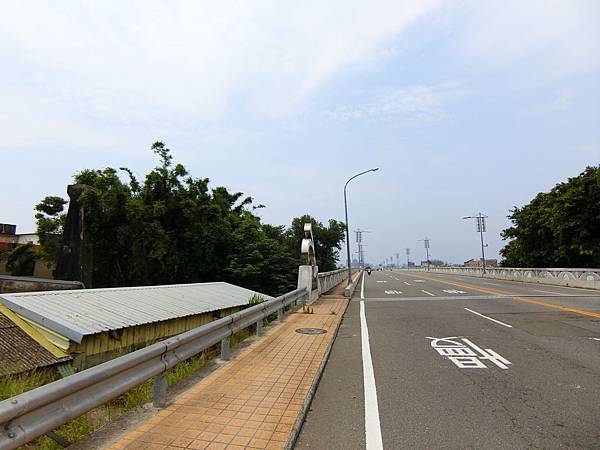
(78, 313)
(19, 352)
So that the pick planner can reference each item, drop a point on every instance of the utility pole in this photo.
(480, 227)
(361, 253)
(426, 241)
(407, 258)
(397, 260)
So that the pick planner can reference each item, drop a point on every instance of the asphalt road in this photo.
(521, 368)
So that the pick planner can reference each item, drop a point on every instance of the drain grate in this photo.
(311, 330)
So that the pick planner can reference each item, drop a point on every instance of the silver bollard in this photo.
(280, 315)
(159, 390)
(259, 328)
(225, 349)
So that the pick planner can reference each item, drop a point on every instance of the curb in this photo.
(291, 442)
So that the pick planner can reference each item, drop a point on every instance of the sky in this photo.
(465, 106)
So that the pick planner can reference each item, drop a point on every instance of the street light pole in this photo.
(346, 211)
(481, 229)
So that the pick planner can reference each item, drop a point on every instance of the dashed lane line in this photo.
(549, 292)
(489, 318)
(520, 298)
(428, 293)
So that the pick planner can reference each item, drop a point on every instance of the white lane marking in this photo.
(549, 292)
(397, 279)
(595, 339)
(428, 293)
(489, 318)
(469, 356)
(454, 291)
(419, 281)
(381, 281)
(362, 287)
(372, 425)
(393, 292)
(408, 284)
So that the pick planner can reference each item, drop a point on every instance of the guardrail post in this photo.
(159, 390)
(225, 349)
(280, 314)
(259, 328)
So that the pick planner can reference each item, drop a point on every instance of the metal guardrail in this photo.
(34, 413)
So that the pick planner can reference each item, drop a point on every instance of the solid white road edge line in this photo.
(428, 293)
(489, 318)
(372, 425)
(362, 287)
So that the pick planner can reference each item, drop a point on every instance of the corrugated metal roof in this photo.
(78, 313)
(19, 352)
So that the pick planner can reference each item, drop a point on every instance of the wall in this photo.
(98, 348)
(29, 284)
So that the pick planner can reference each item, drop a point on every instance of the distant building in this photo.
(477, 263)
(9, 239)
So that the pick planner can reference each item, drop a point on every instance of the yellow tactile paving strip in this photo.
(253, 401)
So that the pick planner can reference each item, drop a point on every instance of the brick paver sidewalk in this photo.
(256, 400)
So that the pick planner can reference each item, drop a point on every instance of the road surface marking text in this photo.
(467, 355)
(489, 318)
(454, 291)
(428, 293)
(372, 425)
(393, 292)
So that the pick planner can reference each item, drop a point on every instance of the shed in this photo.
(95, 325)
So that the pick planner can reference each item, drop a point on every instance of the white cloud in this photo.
(188, 60)
(420, 103)
(550, 39)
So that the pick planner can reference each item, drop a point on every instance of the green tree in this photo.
(171, 228)
(20, 260)
(328, 240)
(560, 228)
(50, 221)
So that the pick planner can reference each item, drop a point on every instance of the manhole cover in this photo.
(311, 330)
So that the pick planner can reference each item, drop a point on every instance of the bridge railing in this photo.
(34, 413)
(584, 278)
(329, 280)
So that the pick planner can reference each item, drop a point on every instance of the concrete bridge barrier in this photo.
(583, 278)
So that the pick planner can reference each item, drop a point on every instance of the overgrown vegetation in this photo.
(560, 228)
(171, 228)
(20, 260)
